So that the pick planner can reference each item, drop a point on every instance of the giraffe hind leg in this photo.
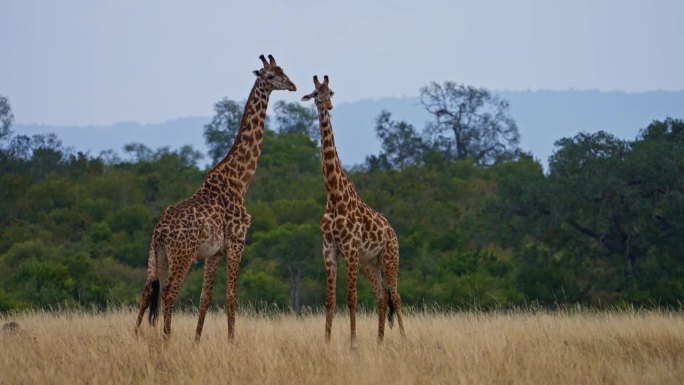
(148, 299)
(210, 265)
(390, 262)
(170, 291)
(394, 303)
(154, 302)
(374, 274)
(390, 313)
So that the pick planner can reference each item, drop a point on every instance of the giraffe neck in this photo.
(332, 169)
(240, 163)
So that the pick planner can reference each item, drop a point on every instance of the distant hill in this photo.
(94, 139)
(542, 117)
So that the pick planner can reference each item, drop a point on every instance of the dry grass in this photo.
(463, 348)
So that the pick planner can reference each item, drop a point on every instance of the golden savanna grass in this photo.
(524, 347)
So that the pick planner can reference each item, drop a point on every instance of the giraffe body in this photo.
(353, 230)
(213, 221)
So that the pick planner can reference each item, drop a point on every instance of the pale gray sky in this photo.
(77, 62)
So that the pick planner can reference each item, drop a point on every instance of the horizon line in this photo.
(493, 91)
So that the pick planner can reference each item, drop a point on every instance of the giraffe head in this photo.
(273, 77)
(321, 94)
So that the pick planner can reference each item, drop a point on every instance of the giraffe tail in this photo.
(154, 302)
(390, 313)
(153, 281)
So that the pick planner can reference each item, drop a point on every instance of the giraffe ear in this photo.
(258, 73)
(307, 97)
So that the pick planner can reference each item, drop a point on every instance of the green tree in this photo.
(221, 132)
(604, 218)
(6, 119)
(285, 158)
(139, 151)
(400, 142)
(603, 226)
(295, 247)
(469, 122)
(656, 176)
(296, 118)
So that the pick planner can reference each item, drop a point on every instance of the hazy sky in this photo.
(77, 62)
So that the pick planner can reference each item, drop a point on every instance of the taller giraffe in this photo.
(351, 228)
(213, 221)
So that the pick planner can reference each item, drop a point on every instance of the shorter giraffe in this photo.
(354, 230)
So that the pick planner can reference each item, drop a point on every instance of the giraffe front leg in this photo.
(234, 255)
(210, 266)
(352, 261)
(330, 259)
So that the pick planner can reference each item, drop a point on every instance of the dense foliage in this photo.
(602, 226)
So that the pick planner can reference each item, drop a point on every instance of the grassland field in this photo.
(504, 347)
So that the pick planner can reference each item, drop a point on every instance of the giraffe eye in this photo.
(270, 76)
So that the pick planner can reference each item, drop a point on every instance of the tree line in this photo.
(480, 222)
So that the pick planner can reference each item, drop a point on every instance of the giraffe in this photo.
(351, 228)
(213, 221)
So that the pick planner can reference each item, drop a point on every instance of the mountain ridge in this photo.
(542, 116)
